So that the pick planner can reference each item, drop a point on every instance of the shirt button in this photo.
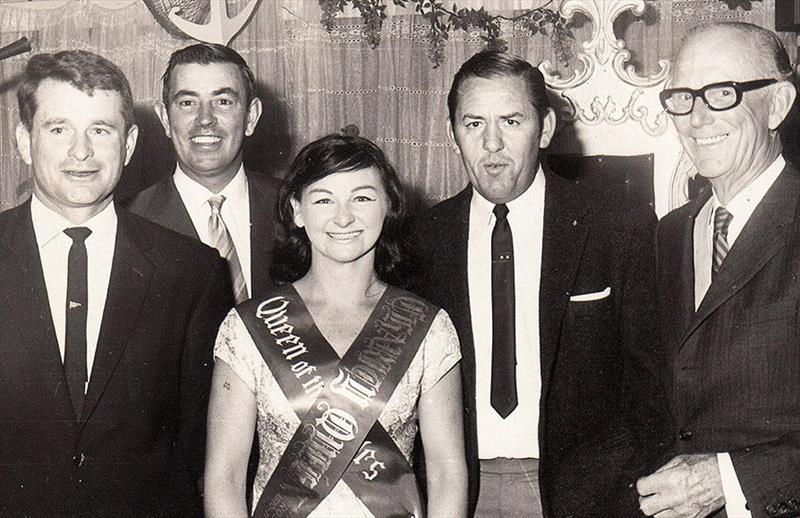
(78, 459)
(685, 435)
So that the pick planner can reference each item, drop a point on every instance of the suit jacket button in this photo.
(685, 435)
(78, 459)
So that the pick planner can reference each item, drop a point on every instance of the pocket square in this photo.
(588, 297)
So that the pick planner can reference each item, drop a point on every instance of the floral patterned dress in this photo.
(277, 422)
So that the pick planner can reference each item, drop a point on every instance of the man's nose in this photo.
(206, 115)
(492, 139)
(81, 148)
(700, 114)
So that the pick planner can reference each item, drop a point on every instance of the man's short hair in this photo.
(490, 64)
(765, 49)
(82, 69)
(205, 54)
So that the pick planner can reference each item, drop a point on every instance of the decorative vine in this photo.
(744, 4)
(443, 21)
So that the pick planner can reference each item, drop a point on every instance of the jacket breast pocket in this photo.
(769, 312)
(593, 304)
(771, 325)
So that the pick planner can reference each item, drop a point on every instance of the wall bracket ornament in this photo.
(185, 18)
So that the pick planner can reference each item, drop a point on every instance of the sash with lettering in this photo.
(338, 403)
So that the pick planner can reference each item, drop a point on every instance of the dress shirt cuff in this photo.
(735, 501)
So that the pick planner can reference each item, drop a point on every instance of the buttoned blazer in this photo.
(162, 204)
(138, 448)
(735, 376)
(601, 398)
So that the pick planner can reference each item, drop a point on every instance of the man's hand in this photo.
(688, 486)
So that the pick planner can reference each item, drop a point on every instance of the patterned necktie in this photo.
(722, 219)
(504, 358)
(221, 240)
(75, 334)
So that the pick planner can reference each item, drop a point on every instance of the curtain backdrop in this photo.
(312, 82)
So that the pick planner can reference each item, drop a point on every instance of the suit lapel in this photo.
(562, 250)
(167, 209)
(761, 238)
(127, 288)
(678, 256)
(24, 294)
(455, 241)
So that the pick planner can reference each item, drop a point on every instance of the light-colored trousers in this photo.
(509, 489)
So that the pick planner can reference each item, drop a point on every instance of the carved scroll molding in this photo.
(604, 68)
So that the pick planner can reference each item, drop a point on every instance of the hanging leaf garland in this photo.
(442, 21)
(744, 4)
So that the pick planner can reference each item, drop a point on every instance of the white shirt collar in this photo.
(48, 224)
(745, 202)
(196, 195)
(525, 204)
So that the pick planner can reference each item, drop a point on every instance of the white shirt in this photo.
(741, 208)
(235, 213)
(54, 245)
(516, 436)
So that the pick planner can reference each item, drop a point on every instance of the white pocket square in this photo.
(588, 297)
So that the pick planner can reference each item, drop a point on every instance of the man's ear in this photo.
(24, 143)
(451, 137)
(163, 116)
(130, 142)
(296, 216)
(253, 114)
(782, 101)
(548, 128)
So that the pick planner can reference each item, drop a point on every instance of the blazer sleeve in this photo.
(769, 474)
(214, 302)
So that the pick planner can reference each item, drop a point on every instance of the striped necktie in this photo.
(221, 239)
(722, 220)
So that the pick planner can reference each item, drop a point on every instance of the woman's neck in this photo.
(340, 284)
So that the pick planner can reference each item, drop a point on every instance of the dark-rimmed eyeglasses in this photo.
(717, 96)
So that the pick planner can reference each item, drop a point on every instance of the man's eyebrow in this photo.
(103, 122)
(472, 116)
(227, 90)
(184, 92)
(515, 115)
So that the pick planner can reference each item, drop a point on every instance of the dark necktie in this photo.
(504, 360)
(722, 220)
(221, 240)
(77, 299)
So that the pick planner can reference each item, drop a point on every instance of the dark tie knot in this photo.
(722, 219)
(77, 234)
(500, 212)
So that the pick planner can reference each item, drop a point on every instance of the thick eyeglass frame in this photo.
(738, 87)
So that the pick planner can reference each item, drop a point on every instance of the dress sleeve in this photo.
(235, 347)
(440, 349)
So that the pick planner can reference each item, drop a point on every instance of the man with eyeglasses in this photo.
(729, 286)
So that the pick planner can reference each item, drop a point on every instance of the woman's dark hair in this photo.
(323, 157)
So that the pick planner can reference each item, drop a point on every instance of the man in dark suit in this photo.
(107, 321)
(549, 287)
(728, 266)
(208, 107)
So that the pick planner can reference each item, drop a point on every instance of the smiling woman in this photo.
(337, 366)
